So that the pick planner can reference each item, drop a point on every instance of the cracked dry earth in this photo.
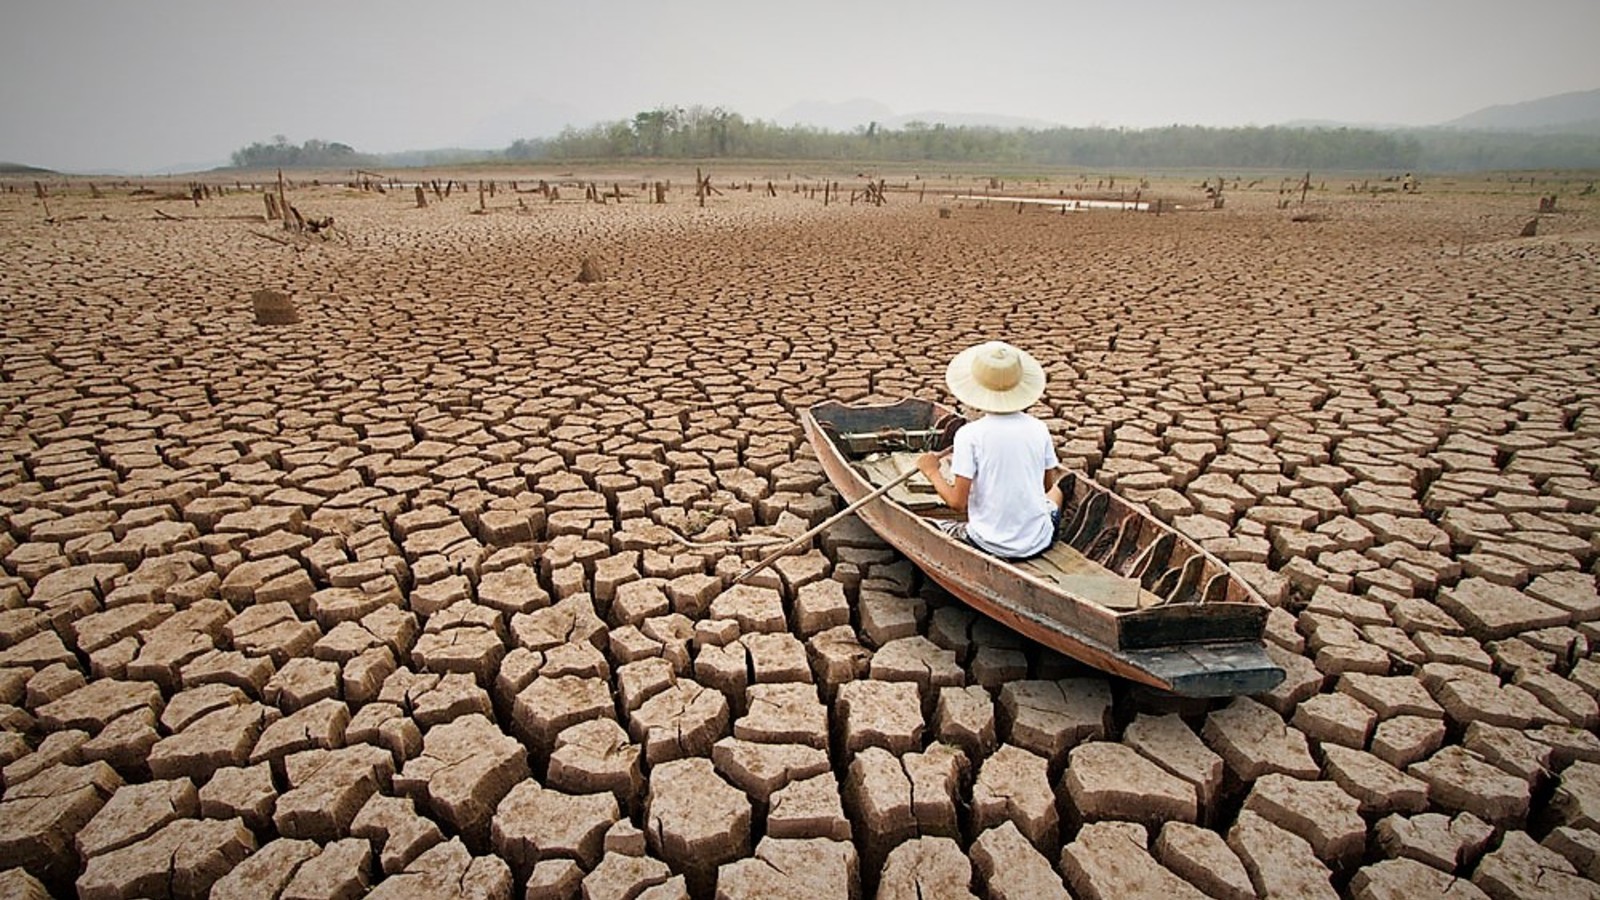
(384, 602)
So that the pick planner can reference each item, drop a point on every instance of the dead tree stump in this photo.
(274, 308)
(703, 187)
(590, 271)
(283, 204)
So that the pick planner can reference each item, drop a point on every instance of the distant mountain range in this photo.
(1570, 117)
(1574, 113)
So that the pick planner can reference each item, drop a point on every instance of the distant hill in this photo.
(844, 115)
(1335, 124)
(11, 168)
(968, 120)
(848, 115)
(1574, 113)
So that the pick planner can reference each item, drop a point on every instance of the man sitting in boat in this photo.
(1004, 463)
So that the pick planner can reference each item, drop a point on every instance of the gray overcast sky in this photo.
(145, 85)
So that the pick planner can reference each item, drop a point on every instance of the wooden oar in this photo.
(777, 554)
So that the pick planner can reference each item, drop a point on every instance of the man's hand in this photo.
(954, 494)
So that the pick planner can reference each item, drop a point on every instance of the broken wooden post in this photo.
(422, 198)
(272, 206)
(283, 204)
(699, 187)
(481, 207)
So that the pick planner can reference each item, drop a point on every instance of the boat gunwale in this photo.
(1252, 610)
(927, 560)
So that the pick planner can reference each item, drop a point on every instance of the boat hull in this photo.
(1229, 660)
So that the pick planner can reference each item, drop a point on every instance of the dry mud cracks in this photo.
(383, 601)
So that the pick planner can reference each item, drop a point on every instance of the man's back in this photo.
(1006, 457)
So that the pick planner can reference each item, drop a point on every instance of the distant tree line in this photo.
(700, 133)
(715, 133)
(314, 153)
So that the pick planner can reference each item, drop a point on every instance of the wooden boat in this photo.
(1119, 590)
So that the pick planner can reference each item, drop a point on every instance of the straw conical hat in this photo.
(995, 377)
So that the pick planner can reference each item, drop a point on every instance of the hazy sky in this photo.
(147, 85)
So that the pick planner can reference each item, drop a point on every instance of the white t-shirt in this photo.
(1006, 457)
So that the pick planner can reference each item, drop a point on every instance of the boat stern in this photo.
(1211, 670)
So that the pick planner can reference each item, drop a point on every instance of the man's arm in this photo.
(954, 495)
